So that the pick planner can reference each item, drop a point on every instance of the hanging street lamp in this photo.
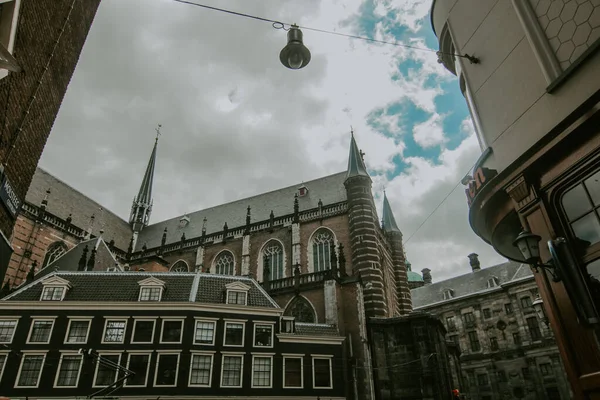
(294, 55)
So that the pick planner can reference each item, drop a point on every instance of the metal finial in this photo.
(158, 131)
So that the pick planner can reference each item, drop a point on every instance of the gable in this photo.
(237, 286)
(151, 281)
(56, 280)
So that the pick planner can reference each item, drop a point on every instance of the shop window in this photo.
(581, 205)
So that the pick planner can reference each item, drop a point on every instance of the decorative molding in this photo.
(521, 192)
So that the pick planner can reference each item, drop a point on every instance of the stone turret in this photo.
(394, 235)
(363, 224)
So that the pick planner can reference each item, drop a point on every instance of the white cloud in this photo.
(430, 133)
(236, 123)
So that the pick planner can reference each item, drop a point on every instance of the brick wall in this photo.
(30, 241)
(39, 24)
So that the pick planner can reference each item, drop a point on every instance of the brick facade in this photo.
(30, 100)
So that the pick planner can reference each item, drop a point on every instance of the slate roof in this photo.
(307, 329)
(330, 189)
(389, 222)
(356, 165)
(471, 283)
(123, 287)
(70, 260)
(64, 200)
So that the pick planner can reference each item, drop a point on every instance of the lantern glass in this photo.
(529, 246)
(538, 306)
(295, 55)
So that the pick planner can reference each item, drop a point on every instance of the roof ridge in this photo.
(466, 274)
(250, 197)
(81, 193)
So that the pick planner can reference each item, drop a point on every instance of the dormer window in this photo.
(151, 289)
(53, 293)
(287, 325)
(54, 289)
(237, 297)
(492, 282)
(184, 221)
(302, 191)
(448, 294)
(237, 293)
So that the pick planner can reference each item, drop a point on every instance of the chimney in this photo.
(474, 261)
(426, 276)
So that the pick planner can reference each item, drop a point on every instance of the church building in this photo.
(318, 248)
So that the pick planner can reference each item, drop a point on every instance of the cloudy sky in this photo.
(237, 123)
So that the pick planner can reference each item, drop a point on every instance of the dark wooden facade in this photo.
(316, 345)
(537, 193)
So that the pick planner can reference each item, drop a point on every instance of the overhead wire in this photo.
(279, 25)
(276, 23)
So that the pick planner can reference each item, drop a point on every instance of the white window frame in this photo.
(139, 353)
(237, 355)
(214, 335)
(151, 287)
(60, 363)
(210, 354)
(135, 321)
(76, 319)
(262, 355)
(264, 323)
(26, 354)
(150, 283)
(234, 322)
(322, 357)
(167, 353)
(162, 329)
(33, 321)
(13, 31)
(3, 353)
(301, 358)
(16, 321)
(47, 287)
(106, 321)
(245, 293)
(106, 354)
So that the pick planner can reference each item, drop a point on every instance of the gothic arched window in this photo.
(180, 266)
(224, 264)
(321, 247)
(55, 250)
(301, 310)
(273, 257)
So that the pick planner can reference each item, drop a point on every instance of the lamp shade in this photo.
(294, 55)
(529, 246)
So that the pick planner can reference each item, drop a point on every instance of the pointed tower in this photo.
(394, 235)
(142, 203)
(363, 224)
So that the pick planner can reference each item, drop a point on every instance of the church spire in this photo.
(356, 164)
(389, 222)
(142, 203)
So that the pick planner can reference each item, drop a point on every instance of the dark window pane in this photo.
(138, 363)
(172, 331)
(143, 331)
(234, 334)
(293, 372)
(576, 202)
(587, 228)
(593, 186)
(167, 369)
(322, 373)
